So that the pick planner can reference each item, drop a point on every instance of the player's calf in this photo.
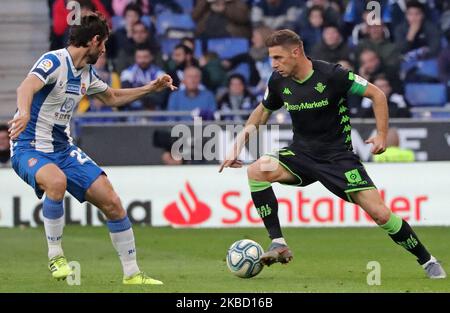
(113, 208)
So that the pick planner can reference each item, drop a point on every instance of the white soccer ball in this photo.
(243, 258)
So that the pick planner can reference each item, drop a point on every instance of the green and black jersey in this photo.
(317, 105)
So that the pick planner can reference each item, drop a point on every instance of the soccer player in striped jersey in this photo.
(44, 156)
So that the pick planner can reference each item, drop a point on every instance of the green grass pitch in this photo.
(193, 260)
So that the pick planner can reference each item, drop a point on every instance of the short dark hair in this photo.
(86, 4)
(3, 127)
(143, 46)
(133, 7)
(237, 76)
(316, 8)
(333, 25)
(141, 23)
(283, 37)
(185, 48)
(380, 76)
(415, 4)
(93, 24)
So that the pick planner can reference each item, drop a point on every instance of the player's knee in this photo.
(113, 208)
(56, 187)
(382, 216)
(254, 172)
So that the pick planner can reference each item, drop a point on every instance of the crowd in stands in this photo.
(214, 49)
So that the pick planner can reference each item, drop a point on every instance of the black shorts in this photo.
(340, 172)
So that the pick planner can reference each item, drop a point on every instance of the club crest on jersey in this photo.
(45, 65)
(68, 105)
(32, 162)
(83, 88)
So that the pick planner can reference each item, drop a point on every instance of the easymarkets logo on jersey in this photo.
(306, 105)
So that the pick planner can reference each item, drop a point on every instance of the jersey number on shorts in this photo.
(81, 156)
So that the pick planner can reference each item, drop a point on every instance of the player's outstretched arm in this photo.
(25, 92)
(119, 97)
(381, 112)
(259, 116)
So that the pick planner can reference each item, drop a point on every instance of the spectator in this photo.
(311, 31)
(214, 75)
(393, 151)
(237, 97)
(122, 38)
(59, 19)
(332, 48)
(192, 97)
(370, 65)
(119, 6)
(221, 18)
(162, 139)
(330, 13)
(140, 74)
(140, 35)
(182, 57)
(355, 9)
(432, 8)
(397, 104)
(276, 14)
(4, 147)
(361, 30)
(377, 41)
(257, 58)
(417, 38)
(188, 42)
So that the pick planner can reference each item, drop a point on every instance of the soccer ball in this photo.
(243, 258)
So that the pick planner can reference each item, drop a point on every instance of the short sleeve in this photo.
(46, 68)
(271, 101)
(97, 85)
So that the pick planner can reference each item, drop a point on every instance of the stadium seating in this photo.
(169, 23)
(427, 69)
(228, 47)
(118, 22)
(187, 5)
(168, 44)
(243, 69)
(425, 94)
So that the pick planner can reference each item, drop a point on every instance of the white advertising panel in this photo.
(198, 196)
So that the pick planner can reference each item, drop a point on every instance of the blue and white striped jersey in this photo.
(51, 110)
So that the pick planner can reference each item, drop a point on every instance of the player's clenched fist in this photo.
(162, 83)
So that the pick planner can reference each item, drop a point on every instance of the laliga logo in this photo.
(190, 212)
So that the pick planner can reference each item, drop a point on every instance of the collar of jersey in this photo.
(305, 79)
(72, 67)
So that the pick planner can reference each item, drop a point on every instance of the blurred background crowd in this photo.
(214, 49)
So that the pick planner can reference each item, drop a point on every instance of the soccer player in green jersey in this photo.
(314, 93)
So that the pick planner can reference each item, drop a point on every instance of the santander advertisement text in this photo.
(198, 196)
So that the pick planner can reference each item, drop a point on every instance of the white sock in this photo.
(54, 232)
(280, 241)
(123, 242)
